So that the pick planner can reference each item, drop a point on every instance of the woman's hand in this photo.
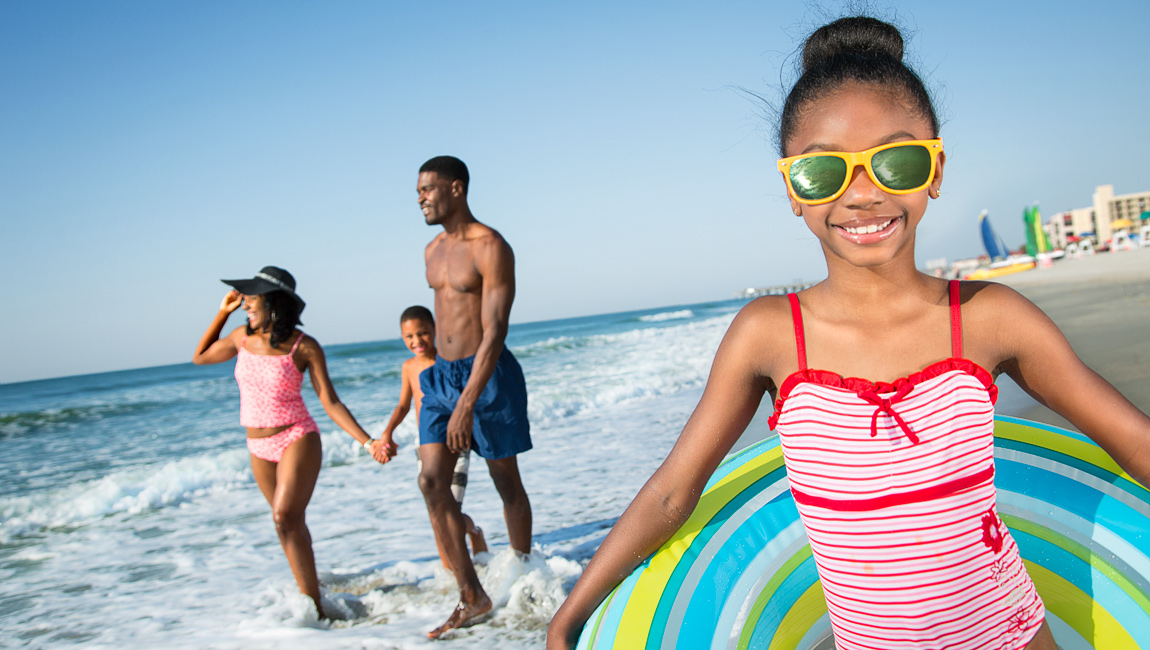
(383, 450)
(231, 301)
(213, 349)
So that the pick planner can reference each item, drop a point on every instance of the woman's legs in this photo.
(288, 486)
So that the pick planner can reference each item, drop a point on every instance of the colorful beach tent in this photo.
(739, 574)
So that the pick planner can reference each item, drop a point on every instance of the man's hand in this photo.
(459, 428)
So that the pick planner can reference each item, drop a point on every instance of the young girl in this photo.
(883, 379)
(282, 437)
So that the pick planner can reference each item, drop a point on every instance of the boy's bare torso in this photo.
(411, 369)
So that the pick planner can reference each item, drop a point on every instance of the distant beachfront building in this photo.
(1097, 221)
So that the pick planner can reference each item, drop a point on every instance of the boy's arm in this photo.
(406, 375)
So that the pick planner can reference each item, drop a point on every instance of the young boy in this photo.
(417, 326)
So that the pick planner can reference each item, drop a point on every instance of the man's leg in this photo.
(447, 522)
(516, 506)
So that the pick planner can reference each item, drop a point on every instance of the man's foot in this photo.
(465, 615)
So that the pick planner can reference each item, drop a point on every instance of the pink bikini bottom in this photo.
(272, 447)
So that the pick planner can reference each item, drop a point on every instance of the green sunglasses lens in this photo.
(817, 177)
(902, 168)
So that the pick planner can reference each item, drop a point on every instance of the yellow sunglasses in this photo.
(898, 168)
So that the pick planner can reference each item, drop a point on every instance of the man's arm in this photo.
(496, 265)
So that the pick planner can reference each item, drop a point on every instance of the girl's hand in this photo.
(231, 301)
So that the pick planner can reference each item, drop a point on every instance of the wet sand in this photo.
(1102, 305)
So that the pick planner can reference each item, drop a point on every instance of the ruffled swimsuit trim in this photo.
(859, 385)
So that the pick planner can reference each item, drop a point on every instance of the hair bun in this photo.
(855, 35)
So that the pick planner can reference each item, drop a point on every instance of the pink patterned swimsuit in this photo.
(894, 483)
(270, 397)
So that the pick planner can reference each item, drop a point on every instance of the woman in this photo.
(282, 437)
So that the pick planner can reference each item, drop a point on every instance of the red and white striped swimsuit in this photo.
(894, 483)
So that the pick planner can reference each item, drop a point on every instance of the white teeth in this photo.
(866, 230)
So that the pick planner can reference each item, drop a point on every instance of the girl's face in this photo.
(256, 308)
(866, 226)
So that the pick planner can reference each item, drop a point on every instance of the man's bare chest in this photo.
(450, 270)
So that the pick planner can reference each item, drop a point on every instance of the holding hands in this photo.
(383, 449)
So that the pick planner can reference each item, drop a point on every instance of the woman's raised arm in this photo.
(213, 349)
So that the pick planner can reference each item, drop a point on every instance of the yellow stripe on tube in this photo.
(1078, 610)
(635, 623)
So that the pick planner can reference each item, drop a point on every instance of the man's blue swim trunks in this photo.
(500, 428)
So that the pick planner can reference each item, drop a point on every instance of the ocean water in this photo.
(129, 517)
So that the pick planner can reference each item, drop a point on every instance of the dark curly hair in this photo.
(856, 49)
(417, 312)
(284, 311)
(449, 168)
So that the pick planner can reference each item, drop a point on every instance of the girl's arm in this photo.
(317, 367)
(734, 389)
(213, 349)
(1042, 362)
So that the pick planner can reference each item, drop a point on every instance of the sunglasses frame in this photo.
(863, 158)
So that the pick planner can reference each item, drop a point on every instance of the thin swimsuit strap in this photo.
(955, 321)
(296, 344)
(955, 325)
(800, 341)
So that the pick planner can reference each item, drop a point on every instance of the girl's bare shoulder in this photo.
(762, 323)
(766, 311)
(990, 302)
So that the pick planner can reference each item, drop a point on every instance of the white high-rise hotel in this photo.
(1097, 219)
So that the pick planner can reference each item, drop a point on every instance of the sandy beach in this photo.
(1102, 304)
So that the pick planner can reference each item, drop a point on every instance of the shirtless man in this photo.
(474, 397)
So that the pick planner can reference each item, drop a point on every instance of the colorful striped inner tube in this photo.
(739, 573)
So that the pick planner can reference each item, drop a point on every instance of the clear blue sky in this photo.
(148, 149)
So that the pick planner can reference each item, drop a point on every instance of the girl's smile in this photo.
(868, 231)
